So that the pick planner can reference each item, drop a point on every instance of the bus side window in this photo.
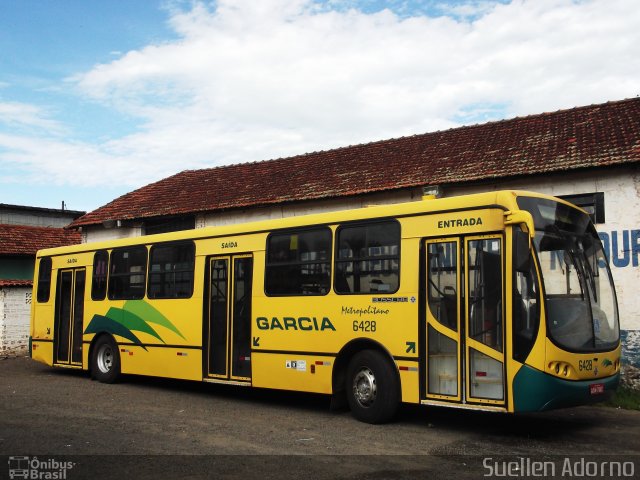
(127, 273)
(44, 280)
(99, 278)
(299, 262)
(368, 258)
(171, 270)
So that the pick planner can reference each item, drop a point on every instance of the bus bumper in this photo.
(535, 391)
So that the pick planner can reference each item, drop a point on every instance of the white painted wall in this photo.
(100, 234)
(34, 219)
(15, 309)
(306, 208)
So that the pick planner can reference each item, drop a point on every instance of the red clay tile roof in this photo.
(584, 137)
(24, 240)
(16, 283)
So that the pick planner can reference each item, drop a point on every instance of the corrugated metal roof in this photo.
(586, 137)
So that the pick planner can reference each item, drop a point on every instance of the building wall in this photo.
(36, 218)
(16, 267)
(306, 208)
(99, 234)
(15, 309)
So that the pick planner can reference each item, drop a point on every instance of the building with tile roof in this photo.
(589, 155)
(575, 140)
(24, 231)
(19, 244)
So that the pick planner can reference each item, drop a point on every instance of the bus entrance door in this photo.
(227, 327)
(465, 321)
(444, 379)
(68, 317)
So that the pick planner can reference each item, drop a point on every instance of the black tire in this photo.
(105, 360)
(373, 387)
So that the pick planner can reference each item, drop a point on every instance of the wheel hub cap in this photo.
(105, 359)
(364, 387)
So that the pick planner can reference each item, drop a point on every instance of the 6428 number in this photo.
(364, 326)
(585, 365)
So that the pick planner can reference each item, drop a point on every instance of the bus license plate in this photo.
(596, 388)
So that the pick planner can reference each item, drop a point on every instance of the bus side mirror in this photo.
(522, 249)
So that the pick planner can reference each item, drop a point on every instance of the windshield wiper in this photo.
(589, 272)
(583, 268)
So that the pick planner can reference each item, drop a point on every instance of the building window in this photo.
(171, 270)
(127, 274)
(99, 279)
(165, 225)
(44, 280)
(592, 203)
(368, 258)
(299, 263)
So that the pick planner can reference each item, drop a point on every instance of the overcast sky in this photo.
(98, 98)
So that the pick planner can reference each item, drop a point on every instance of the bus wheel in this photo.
(372, 387)
(105, 361)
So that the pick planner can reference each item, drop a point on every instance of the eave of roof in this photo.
(15, 283)
(594, 136)
(52, 211)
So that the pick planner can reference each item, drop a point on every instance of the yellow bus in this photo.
(498, 301)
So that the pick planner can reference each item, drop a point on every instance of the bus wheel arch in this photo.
(366, 363)
(104, 358)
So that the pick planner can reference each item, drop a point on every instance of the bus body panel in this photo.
(537, 391)
(293, 371)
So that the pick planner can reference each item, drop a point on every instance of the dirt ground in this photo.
(155, 428)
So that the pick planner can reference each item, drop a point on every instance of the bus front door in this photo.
(227, 327)
(465, 321)
(68, 317)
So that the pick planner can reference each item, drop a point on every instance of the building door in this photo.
(465, 320)
(69, 317)
(227, 328)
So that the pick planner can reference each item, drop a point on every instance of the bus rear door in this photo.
(69, 316)
(227, 325)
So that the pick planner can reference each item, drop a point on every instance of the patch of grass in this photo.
(626, 398)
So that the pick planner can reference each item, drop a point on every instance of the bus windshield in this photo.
(582, 311)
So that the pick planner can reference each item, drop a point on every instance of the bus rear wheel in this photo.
(105, 361)
(373, 389)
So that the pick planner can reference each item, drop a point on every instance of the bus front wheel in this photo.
(372, 387)
(105, 361)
